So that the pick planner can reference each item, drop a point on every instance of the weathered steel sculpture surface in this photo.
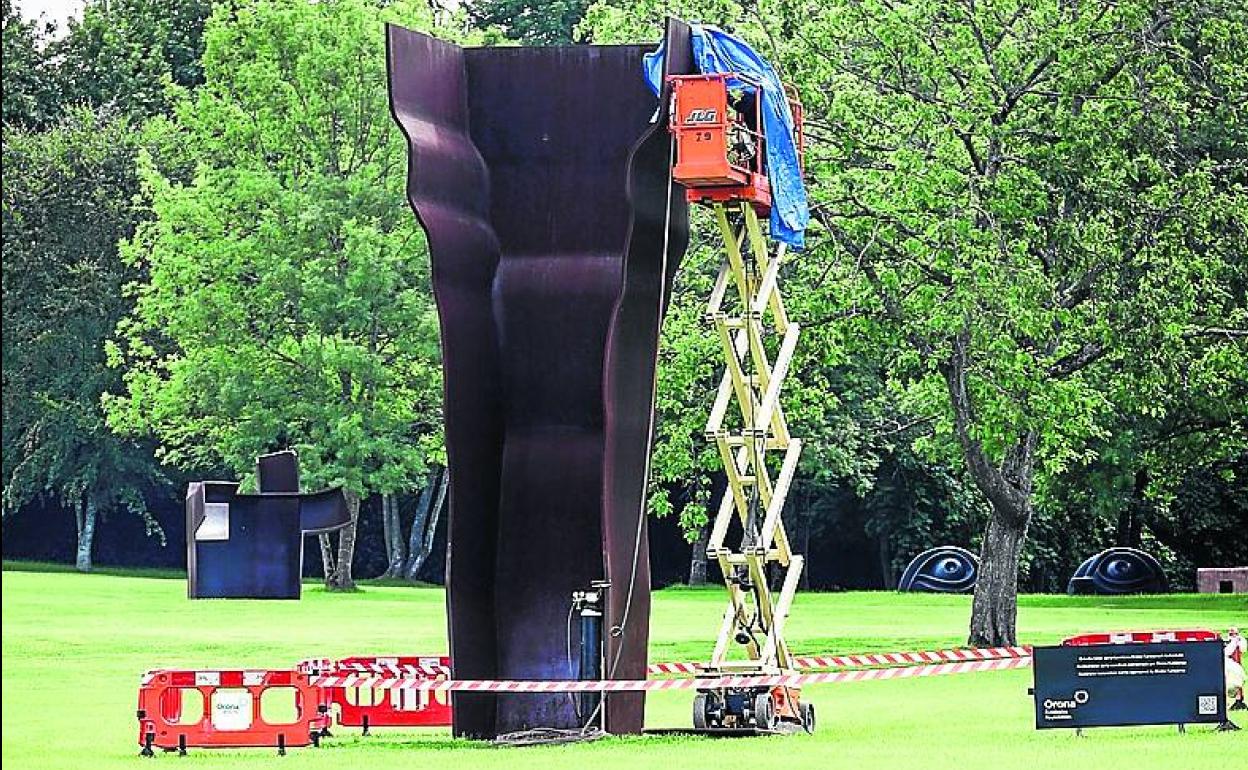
(251, 546)
(540, 176)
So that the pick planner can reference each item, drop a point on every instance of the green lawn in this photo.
(75, 645)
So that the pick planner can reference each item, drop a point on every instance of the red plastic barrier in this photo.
(1141, 637)
(370, 707)
(227, 708)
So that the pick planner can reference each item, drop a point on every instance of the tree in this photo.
(128, 53)
(68, 199)
(686, 474)
(1011, 188)
(286, 299)
(1035, 210)
(405, 557)
(31, 95)
(425, 523)
(530, 22)
(69, 196)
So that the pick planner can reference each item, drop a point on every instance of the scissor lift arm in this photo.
(746, 309)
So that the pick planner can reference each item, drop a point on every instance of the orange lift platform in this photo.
(720, 160)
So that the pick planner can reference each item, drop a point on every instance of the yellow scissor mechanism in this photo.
(747, 325)
(753, 439)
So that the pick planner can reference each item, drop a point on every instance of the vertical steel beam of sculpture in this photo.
(540, 179)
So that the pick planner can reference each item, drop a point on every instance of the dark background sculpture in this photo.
(251, 546)
(945, 569)
(543, 187)
(1119, 571)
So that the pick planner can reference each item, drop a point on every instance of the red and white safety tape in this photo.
(625, 685)
(390, 669)
(872, 659)
(806, 662)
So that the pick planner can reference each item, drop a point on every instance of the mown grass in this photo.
(74, 647)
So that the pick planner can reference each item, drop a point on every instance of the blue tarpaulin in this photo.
(716, 51)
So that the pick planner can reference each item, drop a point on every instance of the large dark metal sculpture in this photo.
(540, 176)
(251, 546)
(946, 569)
(1119, 571)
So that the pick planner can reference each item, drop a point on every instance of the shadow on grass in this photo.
(170, 573)
(158, 573)
(448, 743)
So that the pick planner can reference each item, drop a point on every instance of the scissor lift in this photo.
(720, 161)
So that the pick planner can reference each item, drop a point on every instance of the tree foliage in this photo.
(1032, 217)
(70, 195)
(68, 199)
(530, 22)
(128, 53)
(286, 299)
(31, 95)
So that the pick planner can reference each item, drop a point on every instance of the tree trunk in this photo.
(327, 558)
(1007, 488)
(995, 607)
(387, 532)
(697, 559)
(86, 533)
(396, 550)
(1131, 518)
(416, 536)
(802, 526)
(886, 561)
(430, 527)
(343, 580)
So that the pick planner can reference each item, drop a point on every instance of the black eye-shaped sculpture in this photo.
(947, 569)
(1119, 571)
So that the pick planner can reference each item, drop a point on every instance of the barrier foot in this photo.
(364, 721)
(325, 733)
(1182, 729)
(146, 751)
(181, 745)
(1228, 727)
(1239, 705)
(281, 745)
(316, 739)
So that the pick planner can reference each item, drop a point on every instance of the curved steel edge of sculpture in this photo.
(1119, 570)
(943, 569)
(251, 546)
(541, 178)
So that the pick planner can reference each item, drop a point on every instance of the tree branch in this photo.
(1080, 359)
(1006, 499)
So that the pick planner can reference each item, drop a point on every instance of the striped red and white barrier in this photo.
(387, 668)
(871, 659)
(423, 670)
(627, 685)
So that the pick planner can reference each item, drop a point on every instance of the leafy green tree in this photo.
(1013, 189)
(127, 53)
(1037, 209)
(31, 95)
(530, 22)
(286, 301)
(68, 199)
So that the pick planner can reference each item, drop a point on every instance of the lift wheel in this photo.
(761, 708)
